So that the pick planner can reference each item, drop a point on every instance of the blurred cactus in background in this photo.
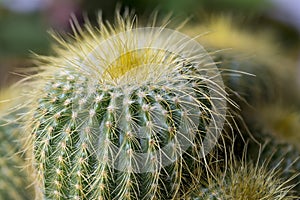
(253, 52)
(16, 181)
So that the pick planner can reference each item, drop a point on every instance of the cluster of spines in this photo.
(244, 181)
(282, 156)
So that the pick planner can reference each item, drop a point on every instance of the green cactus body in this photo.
(128, 131)
(15, 181)
(82, 134)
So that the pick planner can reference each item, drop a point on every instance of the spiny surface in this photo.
(87, 135)
(275, 154)
(248, 181)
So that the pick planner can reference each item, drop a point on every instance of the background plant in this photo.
(16, 181)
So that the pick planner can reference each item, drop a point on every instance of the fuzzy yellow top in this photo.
(223, 33)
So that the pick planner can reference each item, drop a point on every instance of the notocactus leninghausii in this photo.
(126, 127)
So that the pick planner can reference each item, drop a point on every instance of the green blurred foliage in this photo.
(192, 7)
(22, 33)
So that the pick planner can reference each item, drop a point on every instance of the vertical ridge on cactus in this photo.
(116, 114)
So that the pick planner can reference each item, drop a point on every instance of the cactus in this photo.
(126, 128)
(16, 182)
(275, 154)
(244, 180)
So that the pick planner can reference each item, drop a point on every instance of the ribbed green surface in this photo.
(15, 183)
(88, 139)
